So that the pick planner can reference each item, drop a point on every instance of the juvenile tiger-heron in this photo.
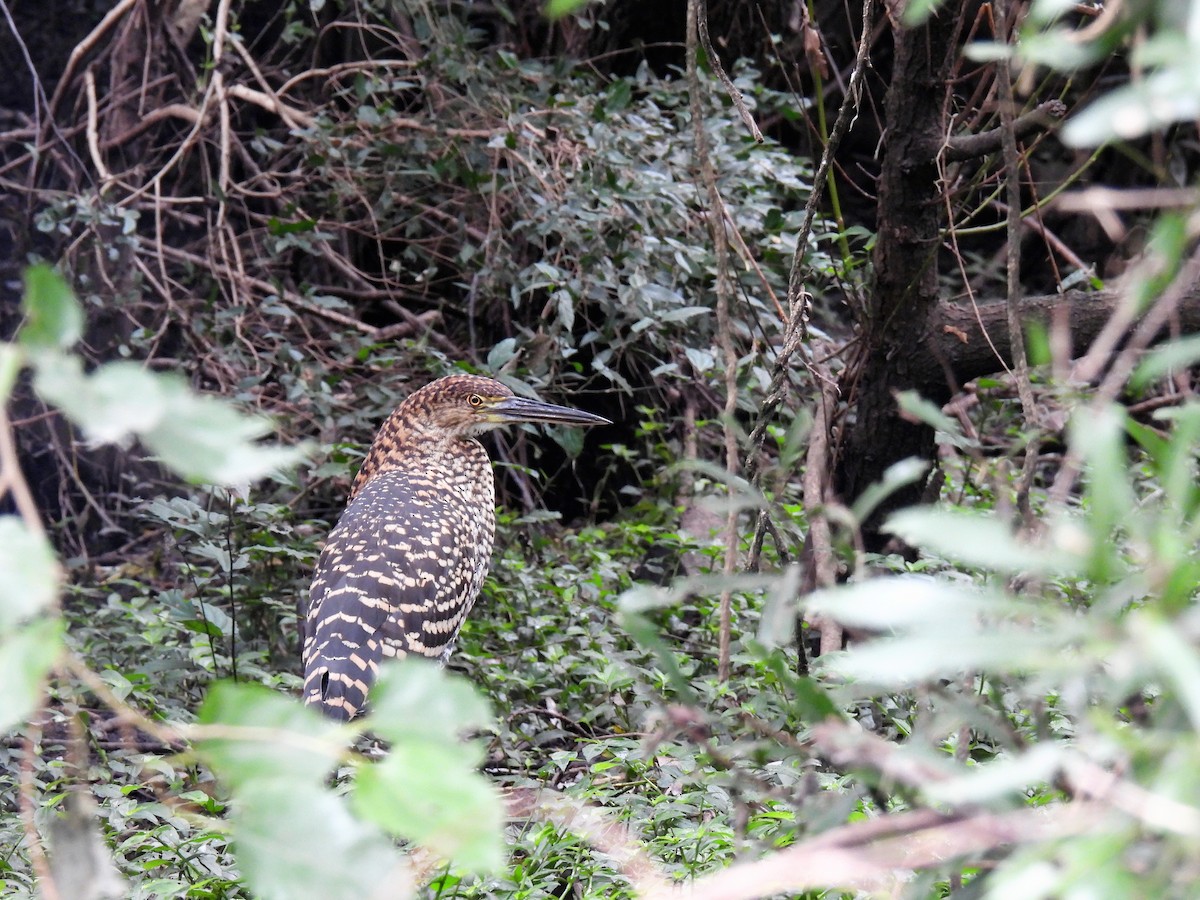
(404, 565)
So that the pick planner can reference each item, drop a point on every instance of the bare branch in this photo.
(971, 146)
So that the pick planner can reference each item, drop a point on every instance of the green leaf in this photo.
(202, 438)
(278, 227)
(1160, 99)
(1003, 778)
(917, 11)
(1173, 357)
(913, 659)
(1099, 435)
(1176, 462)
(11, 360)
(642, 630)
(116, 400)
(429, 792)
(207, 440)
(980, 540)
(556, 9)
(897, 476)
(1056, 48)
(53, 317)
(809, 699)
(777, 625)
(683, 313)
(300, 842)
(26, 658)
(939, 630)
(29, 573)
(284, 741)
(917, 408)
(905, 602)
(1174, 656)
(414, 698)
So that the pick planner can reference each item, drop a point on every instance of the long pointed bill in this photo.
(514, 410)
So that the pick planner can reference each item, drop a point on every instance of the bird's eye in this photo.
(475, 400)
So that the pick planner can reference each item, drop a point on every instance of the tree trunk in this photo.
(902, 309)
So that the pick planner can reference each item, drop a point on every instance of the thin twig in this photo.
(85, 47)
(1012, 185)
(268, 99)
(27, 800)
(93, 139)
(295, 118)
(846, 114)
(695, 28)
(12, 479)
(714, 60)
(1042, 117)
(881, 866)
(823, 570)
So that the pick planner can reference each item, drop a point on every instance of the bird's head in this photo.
(467, 405)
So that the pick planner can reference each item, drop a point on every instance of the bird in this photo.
(404, 565)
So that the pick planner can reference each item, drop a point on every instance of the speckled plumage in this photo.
(405, 563)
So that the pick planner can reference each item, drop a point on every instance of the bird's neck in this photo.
(420, 452)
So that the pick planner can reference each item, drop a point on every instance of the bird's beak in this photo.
(515, 410)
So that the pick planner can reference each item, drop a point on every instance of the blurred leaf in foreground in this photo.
(31, 573)
(202, 438)
(53, 317)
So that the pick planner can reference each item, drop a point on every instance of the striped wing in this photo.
(398, 575)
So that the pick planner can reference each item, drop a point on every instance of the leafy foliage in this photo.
(1015, 714)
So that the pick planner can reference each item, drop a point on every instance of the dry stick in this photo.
(84, 47)
(815, 487)
(971, 146)
(870, 855)
(225, 139)
(192, 137)
(39, 92)
(1089, 200)
(1096, 201)
(174, 735)
(171, 110)
(27, 800)
(197, 117)
(332, 72)
(1039, 227)
(715, 61)
(748, 258)
(1155, 810)
(13, 482)
(270, 289)
(696, 14)
(111, 18)
(881, 865)
(93, 134)
(292, 117)
(1012, 186)
(849, 109)
(268, 99)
